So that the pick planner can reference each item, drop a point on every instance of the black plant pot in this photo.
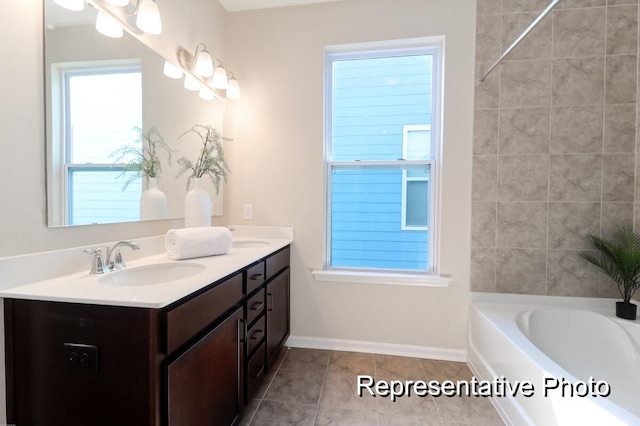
(626, 310)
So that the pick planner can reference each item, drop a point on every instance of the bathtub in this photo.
(583, 362)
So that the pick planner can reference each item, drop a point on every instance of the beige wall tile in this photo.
(536, 45)
(488, 38)
(488, 7)
(578, 81)
(615, 215)
(523, 177)
(579, 32)
(524, 131)
(575, 177)
(620, 128)
(485, 131)
(622, 30)
(487, 92)
(483, 224)
(519, 6)
(618, 177)
(569, 222)
(525, 84)
(618, 2)
(483, 269)
(522, 225)
(621, 79)
(521, 271)
(572, 4)
(576, 130)
(570, 275)
(484, 177)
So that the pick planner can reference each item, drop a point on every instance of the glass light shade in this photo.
(207, 94)
(220, 78)
(107, 26)
(233, 89)
(171, 70)
(118, 2)
(148, 17)
(191, 83)
(204, 64)
(75, 5)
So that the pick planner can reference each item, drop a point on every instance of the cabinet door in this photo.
(277, 313)
(204, 383)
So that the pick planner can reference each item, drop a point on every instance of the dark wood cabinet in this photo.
(204, 384)
(194, 362)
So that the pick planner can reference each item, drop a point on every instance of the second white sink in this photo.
(151, 274)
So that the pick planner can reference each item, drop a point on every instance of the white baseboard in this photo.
(413, 351)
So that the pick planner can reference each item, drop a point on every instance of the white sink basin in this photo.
(151, 274)
(248, 244)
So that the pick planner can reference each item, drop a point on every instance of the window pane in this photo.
(373, 99)
(96, 196)
(103, 110)
(366, 222)
(418, 203)
(418, 145)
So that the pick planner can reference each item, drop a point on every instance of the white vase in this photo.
(153, 202)
(197, 206)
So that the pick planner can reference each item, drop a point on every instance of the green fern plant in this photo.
(618, 258)
(211, 160)
(142, 156)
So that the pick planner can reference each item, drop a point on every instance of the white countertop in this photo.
(83, 287)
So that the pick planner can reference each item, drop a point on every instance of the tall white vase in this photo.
(153, 202)
(197, 206)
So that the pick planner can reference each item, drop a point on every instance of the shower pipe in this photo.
(521, 37)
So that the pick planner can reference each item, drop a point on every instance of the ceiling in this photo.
(239, 5)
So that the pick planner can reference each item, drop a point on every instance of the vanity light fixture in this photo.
(207, 94)
(118, 2)
(203, 62)
(233, 88)
(220, 77)
(75, 5)
(148, 17)
(191, 83)
(171, 70)
(108, 26)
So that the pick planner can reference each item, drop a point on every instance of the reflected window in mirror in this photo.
(101, 107)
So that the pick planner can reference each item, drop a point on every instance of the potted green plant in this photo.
(210, 163)
(142, 157)
(620, 259)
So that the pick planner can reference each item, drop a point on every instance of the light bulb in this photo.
(233, 89)
(118, 2)
(191, 83)
(220, 78)
(106, 25)
(207, 94)
(148, 17)
(75, 5)
(171, 70)
(204, 64)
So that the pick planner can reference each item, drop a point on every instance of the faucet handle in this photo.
(118, 261)
(97, 266)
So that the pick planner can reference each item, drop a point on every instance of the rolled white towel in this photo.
(188, 243)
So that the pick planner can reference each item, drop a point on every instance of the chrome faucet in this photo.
(97, 265)
(118, 262)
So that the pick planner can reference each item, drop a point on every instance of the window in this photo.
(102, 106)
(382, 146)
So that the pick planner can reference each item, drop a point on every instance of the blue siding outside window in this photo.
(373, 101)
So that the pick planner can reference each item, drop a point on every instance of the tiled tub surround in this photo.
(554, 143)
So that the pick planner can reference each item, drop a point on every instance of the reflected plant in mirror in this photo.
(143, 157)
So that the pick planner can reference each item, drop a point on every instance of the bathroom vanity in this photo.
(196, 360)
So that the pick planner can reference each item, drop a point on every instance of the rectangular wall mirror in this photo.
(98, 89)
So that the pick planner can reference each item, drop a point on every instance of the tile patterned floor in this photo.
(314, 387)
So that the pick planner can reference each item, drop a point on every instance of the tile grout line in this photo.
(324, 379)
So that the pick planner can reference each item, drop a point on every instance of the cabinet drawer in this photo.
(186, 320)
(256, 334)
(255, 277)
(277, 262)
(255, 372)
(255, 306)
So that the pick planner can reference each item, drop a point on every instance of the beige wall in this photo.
(23, 226)
(554, 144)
(277, 159)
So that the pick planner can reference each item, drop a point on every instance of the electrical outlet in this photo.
(78, 355)
(248, 212)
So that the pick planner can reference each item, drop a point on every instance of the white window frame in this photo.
(424, 45)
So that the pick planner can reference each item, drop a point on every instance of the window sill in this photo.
(382, 278)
